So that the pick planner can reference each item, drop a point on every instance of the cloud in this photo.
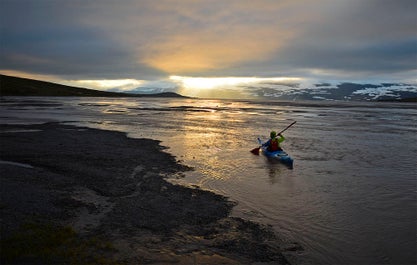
(203, 51)
(152, 40)
(194, 37)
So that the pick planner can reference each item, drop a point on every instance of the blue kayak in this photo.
(279, 155)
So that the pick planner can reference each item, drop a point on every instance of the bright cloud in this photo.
(229, 82)
(118, 84)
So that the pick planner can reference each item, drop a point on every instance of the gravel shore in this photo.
(103, 184)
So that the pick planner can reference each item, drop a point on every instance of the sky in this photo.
(191, 46)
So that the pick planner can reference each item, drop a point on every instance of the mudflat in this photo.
(105, 186)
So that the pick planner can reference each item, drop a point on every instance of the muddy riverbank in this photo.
(106, 185)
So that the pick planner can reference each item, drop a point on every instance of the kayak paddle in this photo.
(255, 151)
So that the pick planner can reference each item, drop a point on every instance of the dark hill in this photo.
(16, 86)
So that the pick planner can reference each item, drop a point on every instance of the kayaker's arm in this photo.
(281, 138)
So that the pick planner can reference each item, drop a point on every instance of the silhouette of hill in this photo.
(17, 86)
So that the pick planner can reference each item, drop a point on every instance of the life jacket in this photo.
(274, 145)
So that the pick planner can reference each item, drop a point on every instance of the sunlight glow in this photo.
(105, 84)
(229, 82)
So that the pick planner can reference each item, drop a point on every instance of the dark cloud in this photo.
(355, 39)
(385, 57)
(45, 37)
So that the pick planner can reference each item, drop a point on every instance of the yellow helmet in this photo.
(273, 134)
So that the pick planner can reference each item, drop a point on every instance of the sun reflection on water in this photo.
(209, 135)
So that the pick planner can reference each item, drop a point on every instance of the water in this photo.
(350, 199)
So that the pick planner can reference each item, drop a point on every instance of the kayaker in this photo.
(273, 144)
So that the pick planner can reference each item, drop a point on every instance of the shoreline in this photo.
(104, 184)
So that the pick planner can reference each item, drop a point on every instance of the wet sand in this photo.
(104, 184)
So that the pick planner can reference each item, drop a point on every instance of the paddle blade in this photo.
(255, 151)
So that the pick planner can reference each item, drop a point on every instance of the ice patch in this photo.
(390, 91)
(20, 131)
(15, 164)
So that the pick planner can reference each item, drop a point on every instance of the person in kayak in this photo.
(273, 144)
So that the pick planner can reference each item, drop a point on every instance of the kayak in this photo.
(279, 155)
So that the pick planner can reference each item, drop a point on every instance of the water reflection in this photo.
(274, 170)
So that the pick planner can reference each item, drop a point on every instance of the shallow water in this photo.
(350, 199)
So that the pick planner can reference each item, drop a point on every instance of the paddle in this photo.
(255, 151)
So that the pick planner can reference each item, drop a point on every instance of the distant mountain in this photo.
(16, 86)
(343, 91)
